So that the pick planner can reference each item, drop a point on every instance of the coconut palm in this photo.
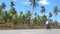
(39, 20)
(50, 15)
(1, 17)
(56, 24)
(33, 3)
(23, 19)
(35, 19)
(12, 10)
(12, 4)
(35, 14)
(3, 5)
(21, 12)
(20, 17)
(43, 10)
(55, 11)
(13, 14)
(29, 16)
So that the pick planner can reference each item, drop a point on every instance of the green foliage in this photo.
(11, 19)
(43, 9)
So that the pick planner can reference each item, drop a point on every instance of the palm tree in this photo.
(33, 3)
(0, 10)
(13, 14)
(43, 20)
(12, 4)
(35, 14)
(20, 17)
(15, 19)
(56, 24)
(43, 10)
(35, 19)
(6, 18)
(39, 21)
(12, 10)
(21, 12)
(1, 17)
(55, 11)
(29, 14)
(3, 5)
(50, 15)
(23, 21)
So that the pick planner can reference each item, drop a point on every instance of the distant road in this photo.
(31, 31)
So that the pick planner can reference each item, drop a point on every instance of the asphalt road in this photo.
(31, 31)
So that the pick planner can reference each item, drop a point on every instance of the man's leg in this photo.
(46, 26)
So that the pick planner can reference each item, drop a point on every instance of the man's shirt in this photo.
(47, 22)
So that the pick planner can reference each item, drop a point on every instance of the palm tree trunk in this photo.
(33, 11)
(55, 17)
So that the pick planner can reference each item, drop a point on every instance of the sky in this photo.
(24, 5)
